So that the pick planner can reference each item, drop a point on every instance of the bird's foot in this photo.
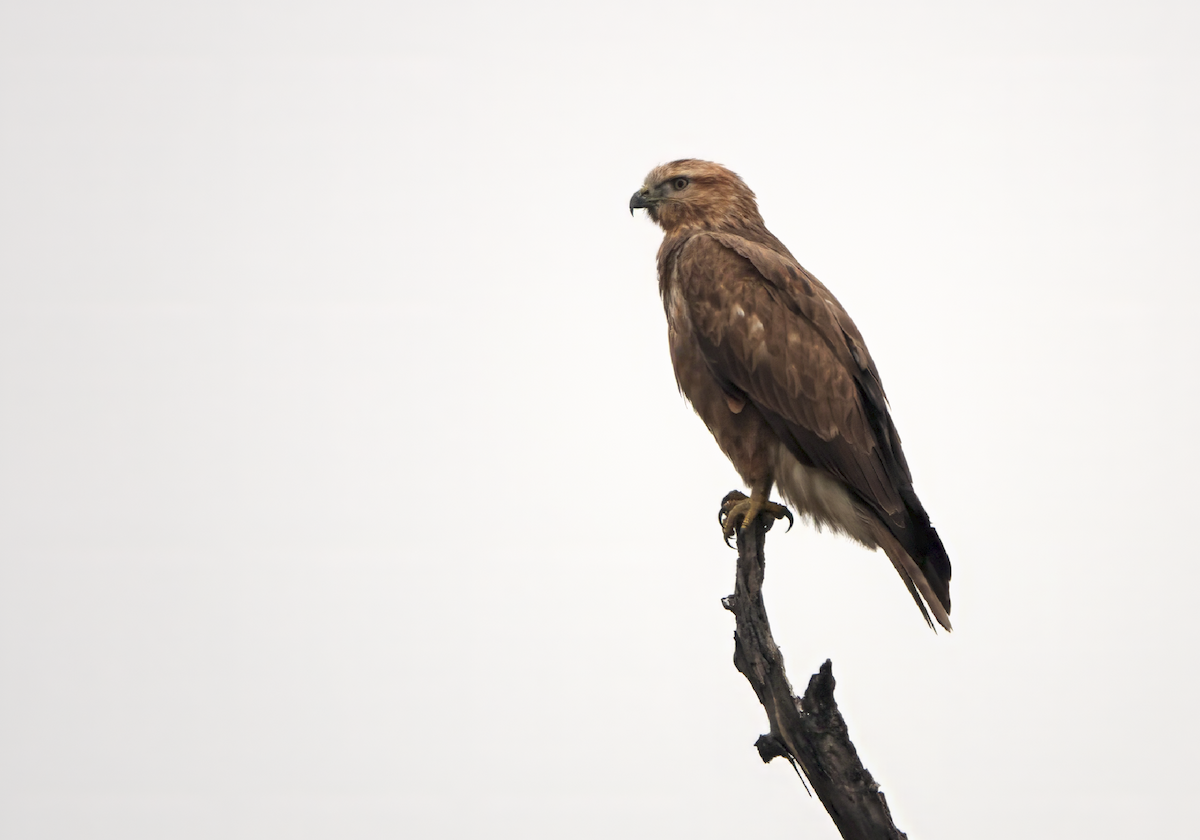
(739, 511)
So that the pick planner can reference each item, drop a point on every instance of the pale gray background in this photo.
(344, 486)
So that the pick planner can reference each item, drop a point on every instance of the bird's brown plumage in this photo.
(781, 375)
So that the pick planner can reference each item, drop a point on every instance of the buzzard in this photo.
(782, 378)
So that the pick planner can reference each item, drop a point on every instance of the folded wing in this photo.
(774, 335)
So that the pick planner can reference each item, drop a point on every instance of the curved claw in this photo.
(731, 501)
(776, 511)
(727, 503)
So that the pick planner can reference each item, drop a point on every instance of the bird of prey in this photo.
(782, 378)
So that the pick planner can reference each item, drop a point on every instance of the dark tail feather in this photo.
(923, 581)
(916, 596)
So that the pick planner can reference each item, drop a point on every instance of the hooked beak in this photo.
(640, 200)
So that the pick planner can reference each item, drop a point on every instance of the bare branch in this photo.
(808, 731)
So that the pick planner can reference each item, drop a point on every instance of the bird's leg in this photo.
(739, 511)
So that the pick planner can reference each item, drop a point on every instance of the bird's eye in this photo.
(680, 183)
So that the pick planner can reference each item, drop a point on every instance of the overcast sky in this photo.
(345, 490)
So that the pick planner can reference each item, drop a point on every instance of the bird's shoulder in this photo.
(723, 269)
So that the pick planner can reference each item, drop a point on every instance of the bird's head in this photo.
(696, 193)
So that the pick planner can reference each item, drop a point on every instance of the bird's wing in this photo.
(772, 333)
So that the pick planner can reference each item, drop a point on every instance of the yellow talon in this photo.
(739, 511)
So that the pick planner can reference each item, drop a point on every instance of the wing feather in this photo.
(768, 332)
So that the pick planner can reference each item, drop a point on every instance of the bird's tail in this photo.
(926, 586)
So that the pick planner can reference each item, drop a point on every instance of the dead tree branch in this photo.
(808, 731)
